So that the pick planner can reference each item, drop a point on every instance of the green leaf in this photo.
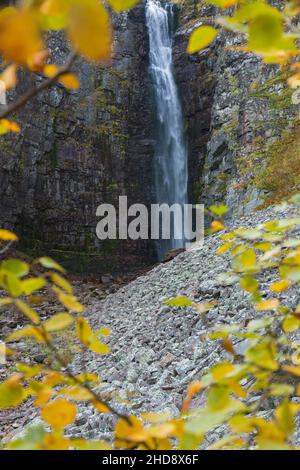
(49, 263)
(16, 267)
(31, 285)
(201, 38)
(33, 436)
(179, 302)
(13, 285)
(205, 419)
(249, 283)
(265, 32)
(263, 354)
(245, 261)
(290, 273)
(219, 210)
(11, 392)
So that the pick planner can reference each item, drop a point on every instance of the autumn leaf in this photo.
(20, 36)
(59, 413)
(89, 29)
(201, 38)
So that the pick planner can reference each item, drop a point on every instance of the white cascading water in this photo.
(170, 159)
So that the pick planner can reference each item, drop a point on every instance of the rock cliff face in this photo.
(239, 117)
(80, 149)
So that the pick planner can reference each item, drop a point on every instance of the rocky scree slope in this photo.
(157, 351)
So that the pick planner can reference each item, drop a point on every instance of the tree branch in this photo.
(34, 91)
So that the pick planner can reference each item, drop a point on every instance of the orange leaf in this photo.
(59, 413)
(267, 305)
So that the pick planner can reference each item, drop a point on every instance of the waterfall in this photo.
(170, 158)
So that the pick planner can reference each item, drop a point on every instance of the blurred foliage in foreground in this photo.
(253, 395)
(268, 31)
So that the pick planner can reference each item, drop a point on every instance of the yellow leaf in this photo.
(224, 3)
(29, 371)
(88, 377)
(43, 397)
(55, 442)
(222, 370)
(89, 338)
(59, 413)
(8, 126)
(263, 246)
(201, 38)
(264, 355)
(6, 235)
(9, 77)
(271, 304)
(28, 311)
(236, 388)
(292, 370)
(50, 70)
(249, 283)
(54, 14)
(284, 414)
(11, 392)
(122, 5)
(58, 322)
(61, 282)
(296, 358)
(279, 286)
(49, 263)
(98, 347)
(53, 378)
(19, 35)
(89, 29)
(69, 301)
(101, 407)
(290, 323)
(70, 81)
(128, 433)
(76, 393)
(25, 332)
(225, 247)
(216, 226)
(245, 261)
(31, 285)
(84, 331)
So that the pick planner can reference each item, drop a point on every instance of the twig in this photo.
(63, 364)
(6, 247)
(35, 90)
